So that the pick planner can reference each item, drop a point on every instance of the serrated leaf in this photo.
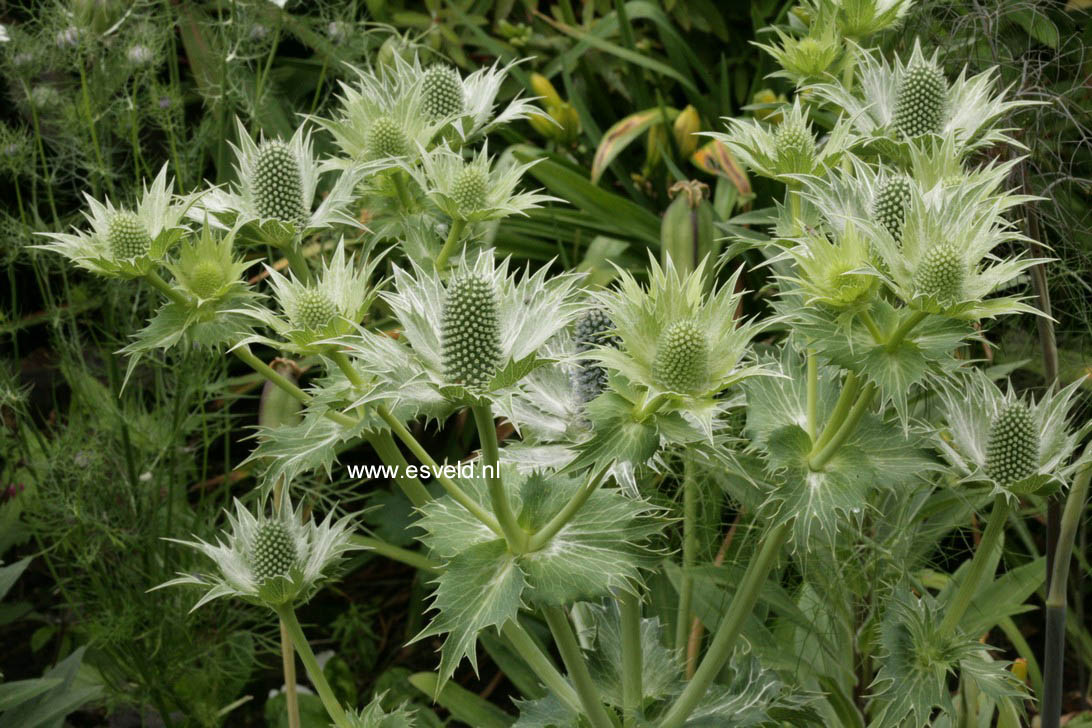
(481, 587)
(547, 712)
(287, 451)
(659, 666)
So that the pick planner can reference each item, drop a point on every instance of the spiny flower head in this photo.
(889, 205)
(682, 357)
(940, 275)
(206, 267)
(676, 339)
(477, 188)
(386, 139)
(272, 559)
(806, 58)
(467, 327)
(443, 91)
(591, 330)
(834, 267)
(274, 199)
(894, 103)
(126, 242)
(786, 150)
(332, 306)
(922, 94)
(278, 183)
(127, 236)
(1014, 444)
(470, 332)
(1012, 447)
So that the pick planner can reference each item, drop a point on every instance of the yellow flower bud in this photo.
(542, 87)
(687, 124)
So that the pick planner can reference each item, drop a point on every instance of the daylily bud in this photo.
(686, 126)
(686, 232)
(542, 87)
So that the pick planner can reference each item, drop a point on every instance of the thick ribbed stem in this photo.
(502, 507)
(689, 556)
(720, 649)
(629, 605)
(991, 539)
(540, 664)
(396, 553)
(848, 427)
(165, 288)
(542, 536)
(577, 668)
(453, 235)
(288, 663)
(329, 700)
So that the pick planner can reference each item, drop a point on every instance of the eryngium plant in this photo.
(848, 428)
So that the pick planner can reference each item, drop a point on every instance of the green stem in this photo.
(419, 452)
(1054, 650)
(649, 407)
(288, 664)
(399, 180)
(453, 236)
(870, 324)
(577, 668)
(820, 459)
(794, 207)
(498, 496)
(297, 262)
(333, 707)
(540, 664)
(629, 605)
(720, 649)
(166, 289)
(903, 329)
(91, 129)
(689, 556)
(387, 450)
(346, 368)
(841, 409)
(542, 536)
(245, 354)
(991, 539)
(396, 553)
(813, 394)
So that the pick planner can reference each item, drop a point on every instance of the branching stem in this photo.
(542, 537)
(329, 700)
(498, 496)
(452, 241)
(577, 668)
(991, 539)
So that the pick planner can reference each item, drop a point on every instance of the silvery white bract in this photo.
(329, 307)
(530, 309)
(970, 110)
(276, 191)
(272, 560)
(1018, 446)
(123, 242)
(858, 19)
(475, 189)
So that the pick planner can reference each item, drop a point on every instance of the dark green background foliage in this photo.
(97, 95)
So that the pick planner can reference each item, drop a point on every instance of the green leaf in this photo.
(461, 703)
(623, 132)
(480, 587)
(10, 574)
(20, 691)
(547, 712)
(660, 667)
(287, 451)
(48, 708)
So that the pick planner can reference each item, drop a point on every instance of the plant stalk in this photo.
(452, 241)
(397, 553)
(991, 539)
(329, 700)
(166, 289)
(542, 536)
(404, 197)
(1054, 648)
(813, 394)
(904, 328)
(819, 460)
(838, 414)
(288, 662)
(720, 649)
(629, 605)
(689, 556)
(577, 668)
(540, 664)
(514, 534)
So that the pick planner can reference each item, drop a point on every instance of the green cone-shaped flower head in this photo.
(795, 145)
(386, 139)
(273, 551)
(206, 278)
(591, 330)
(682, 357)
(469, 190)
(922, 93)
(470, 332)
(889, 206)
(278, 183)
(1012, 450)
(126, 236)
(443, 92)
(940, 274)
(314, 309)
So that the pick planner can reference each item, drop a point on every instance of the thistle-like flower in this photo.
(592, 330)
(207, 269)
(274, 559)
(126, 242)
(476, 189)
(383, 119)
(480, 329)
(834, 268)
(942, 262)
(893, 104)
(1016, 445)
(858, 19)
(677, 346)
(313, 313)
(274, 198)
(786, 150)
(806, 58)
